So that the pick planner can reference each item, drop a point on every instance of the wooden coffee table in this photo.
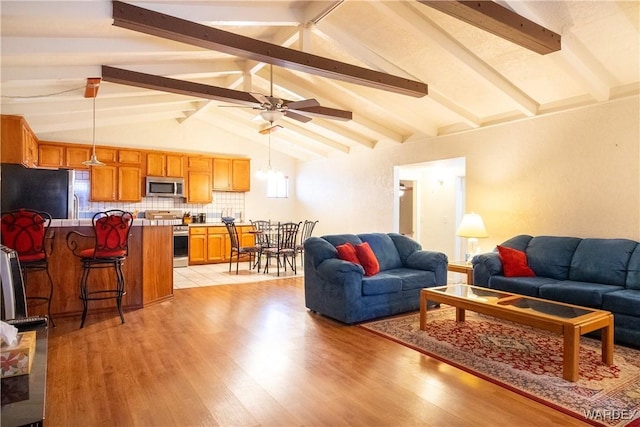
(570, 321)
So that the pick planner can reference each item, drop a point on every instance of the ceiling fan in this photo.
(273, 108)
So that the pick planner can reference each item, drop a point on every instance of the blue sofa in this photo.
(597, 273)
(340, 290)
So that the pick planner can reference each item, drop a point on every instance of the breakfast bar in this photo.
(148, 269)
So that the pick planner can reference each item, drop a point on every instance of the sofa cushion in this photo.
(414, 279)
(381, 283)
(626, 301)
(602, 261)
(579, 293)
(347, 252)
(514, 262)
(367, 259)
(633, 270)
(550, 256)
(405, 246)
(520, 285)
(384, 249)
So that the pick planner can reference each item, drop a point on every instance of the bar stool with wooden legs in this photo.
(111, 245)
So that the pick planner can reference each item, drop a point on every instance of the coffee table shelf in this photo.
(570, 321)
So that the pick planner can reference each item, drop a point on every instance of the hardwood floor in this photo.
(251, 354)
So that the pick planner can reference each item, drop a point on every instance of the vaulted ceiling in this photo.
(474, 78)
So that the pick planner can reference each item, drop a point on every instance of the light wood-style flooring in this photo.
(252, 354)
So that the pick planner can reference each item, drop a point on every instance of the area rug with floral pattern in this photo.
(527, 361)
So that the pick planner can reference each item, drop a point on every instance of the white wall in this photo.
(574, 173)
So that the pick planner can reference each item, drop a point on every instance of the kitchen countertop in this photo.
(139, 222)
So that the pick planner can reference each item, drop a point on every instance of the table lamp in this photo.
(472, 227)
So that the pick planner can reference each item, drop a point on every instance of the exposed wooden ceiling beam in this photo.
(176, 29)
(182, 87)
(502, 22)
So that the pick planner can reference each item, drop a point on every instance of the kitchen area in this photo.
(177, 200)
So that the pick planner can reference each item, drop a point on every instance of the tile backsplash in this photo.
(229, 204)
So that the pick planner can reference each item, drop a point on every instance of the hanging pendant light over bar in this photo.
(93, 161)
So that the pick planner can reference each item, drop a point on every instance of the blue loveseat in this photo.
(597, 273)
(340, 290)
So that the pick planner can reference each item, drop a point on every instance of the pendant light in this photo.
(268, 173)
(93, 161)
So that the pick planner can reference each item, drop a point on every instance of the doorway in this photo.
(432, 212)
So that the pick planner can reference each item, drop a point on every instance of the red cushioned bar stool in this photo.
(27, 232)
(111, 247)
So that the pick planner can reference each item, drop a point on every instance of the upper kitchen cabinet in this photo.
(222, 174)
(120, 180)
(165, 164)
(130, 157)
(51, 155)
(199, 179)
(241, 174)
(231, 174)
(74, 156)
(18, 142)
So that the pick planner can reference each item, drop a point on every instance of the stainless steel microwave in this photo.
(160, 186)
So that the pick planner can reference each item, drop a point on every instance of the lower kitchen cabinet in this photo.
(211, 245)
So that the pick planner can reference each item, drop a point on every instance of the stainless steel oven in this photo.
(180, 245)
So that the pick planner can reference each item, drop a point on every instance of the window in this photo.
(277, 186)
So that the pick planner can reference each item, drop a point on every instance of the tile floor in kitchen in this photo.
(218, 274)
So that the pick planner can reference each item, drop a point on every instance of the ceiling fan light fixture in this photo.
(271, 115)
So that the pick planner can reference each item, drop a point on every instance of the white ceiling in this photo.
(476, 79)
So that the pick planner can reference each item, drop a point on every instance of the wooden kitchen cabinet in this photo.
(211, 245)
(241, 174)
(165, 164)
(18, 142)
(120, 180)
(104, 182)
(217, 247)
(199, 180)
(130, 157)
(197, 245)
(222, 174)
(50, 155)
(74, 156)
(129, 184)
(231, 174)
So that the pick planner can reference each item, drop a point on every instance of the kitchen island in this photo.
(148, 270)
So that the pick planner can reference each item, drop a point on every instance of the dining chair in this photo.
(26, 231)
(262, 237)
(307, 229)
(236, 248)
(109, 249)
(285, 249)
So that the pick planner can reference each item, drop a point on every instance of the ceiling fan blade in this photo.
(305, 103)
(327, 113)
(260, 98)
(295, 116)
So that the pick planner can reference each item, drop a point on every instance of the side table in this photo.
(462, 267)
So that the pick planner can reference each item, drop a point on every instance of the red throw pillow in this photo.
(367, 259)
(514, 263)
(347, 252)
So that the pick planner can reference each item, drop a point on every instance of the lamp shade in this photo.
(472, 226)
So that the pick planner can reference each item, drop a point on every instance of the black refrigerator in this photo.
(47, 190)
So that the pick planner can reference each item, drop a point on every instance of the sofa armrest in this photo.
(335, 270)
(430, 261)
(485, 266)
